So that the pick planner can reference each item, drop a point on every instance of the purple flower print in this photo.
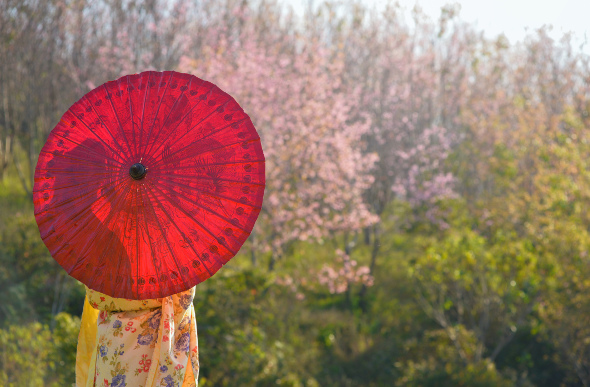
(154, 321)
(186, 301)
(145, 339)
(118, 381)
(169, 381)
(183, 342)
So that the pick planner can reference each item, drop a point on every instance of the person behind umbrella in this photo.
(125, 342)
(135, 238)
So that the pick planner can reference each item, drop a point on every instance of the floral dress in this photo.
(138, 342)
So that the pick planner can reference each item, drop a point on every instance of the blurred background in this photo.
(425, 220)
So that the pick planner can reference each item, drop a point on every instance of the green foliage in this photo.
(33, 355)
(25, 355)
(242, 332)
(433, 360)
(64, 340)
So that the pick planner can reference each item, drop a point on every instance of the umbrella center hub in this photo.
(137, 171)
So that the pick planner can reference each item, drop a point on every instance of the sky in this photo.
(510, 17)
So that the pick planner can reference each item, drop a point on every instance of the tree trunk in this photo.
(374, 253)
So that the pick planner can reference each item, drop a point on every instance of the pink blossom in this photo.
(339, 278)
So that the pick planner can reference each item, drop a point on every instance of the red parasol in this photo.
(149, 184)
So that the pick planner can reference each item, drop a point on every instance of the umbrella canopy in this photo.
(149, 184)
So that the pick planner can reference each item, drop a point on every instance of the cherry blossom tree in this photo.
(311, 129)
(340, 280)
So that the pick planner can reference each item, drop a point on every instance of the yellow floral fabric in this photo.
(138, 343)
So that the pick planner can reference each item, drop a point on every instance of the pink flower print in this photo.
(130, 328)
(144, 364)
